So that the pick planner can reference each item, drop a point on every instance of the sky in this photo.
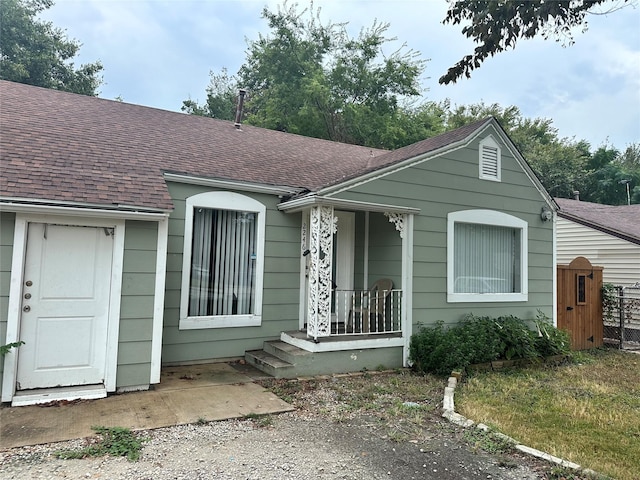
(158, 53)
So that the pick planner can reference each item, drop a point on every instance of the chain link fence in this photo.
(621, 316)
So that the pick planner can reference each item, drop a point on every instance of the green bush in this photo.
(551, 340)
(441, 350)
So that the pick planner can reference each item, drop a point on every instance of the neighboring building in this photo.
(132, 237)
(607, 235)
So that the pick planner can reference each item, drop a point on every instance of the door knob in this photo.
(569, 308)
(26, 308)
(29, 283)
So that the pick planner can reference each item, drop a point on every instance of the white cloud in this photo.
(158, 53)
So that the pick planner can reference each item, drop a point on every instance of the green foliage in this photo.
(497, 26)
(481, 340)
(609, 300)
(489, 441)
(261, 420)
(114, 441)
(610, 170)
(4, 349)
(221, 98)
(313, 79)
(550, 340)
(37, 53)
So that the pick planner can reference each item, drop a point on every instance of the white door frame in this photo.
(15, 292)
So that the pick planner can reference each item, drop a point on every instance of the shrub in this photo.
(440, 350)
(551, 340)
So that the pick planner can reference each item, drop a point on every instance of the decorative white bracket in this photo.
(399, 219)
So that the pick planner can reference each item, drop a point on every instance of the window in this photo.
(223, 261)
(486, 257)
(490, 159)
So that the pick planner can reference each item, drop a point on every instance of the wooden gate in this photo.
(580, 303)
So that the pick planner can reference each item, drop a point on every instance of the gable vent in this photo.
(489, 159)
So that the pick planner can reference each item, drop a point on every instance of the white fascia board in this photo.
(232, 185)
(89, 211)
(303, 203)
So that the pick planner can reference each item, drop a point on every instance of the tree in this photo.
(497, 25)
(221, 98)
(37, 53)
(313, 79)
(561, 164)
(611, 170)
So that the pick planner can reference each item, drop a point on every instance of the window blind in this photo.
(222, 280)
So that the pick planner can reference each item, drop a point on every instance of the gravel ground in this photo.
(294, 446)
(313, 442)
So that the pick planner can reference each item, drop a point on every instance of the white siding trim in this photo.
(158, 300)
(554, 315)
(407, 288)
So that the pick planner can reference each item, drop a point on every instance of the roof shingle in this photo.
(61, 147)
(622, 221)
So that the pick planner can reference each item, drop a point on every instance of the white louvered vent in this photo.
(489, 159)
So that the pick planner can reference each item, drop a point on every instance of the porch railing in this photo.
(362, 312)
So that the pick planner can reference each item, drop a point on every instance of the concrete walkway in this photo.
(185, 394)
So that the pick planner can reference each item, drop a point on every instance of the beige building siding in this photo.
(620, 259)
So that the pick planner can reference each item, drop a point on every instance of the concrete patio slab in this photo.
(184, 395)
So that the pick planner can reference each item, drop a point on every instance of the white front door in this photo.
(65, 306)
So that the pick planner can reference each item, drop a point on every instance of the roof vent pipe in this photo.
(576, 195)
(239, 107)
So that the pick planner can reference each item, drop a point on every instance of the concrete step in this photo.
(287, 352)
(268, 363)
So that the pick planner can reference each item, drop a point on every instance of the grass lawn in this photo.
(587, 412)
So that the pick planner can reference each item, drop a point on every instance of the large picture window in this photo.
(487, 257)
(223, 261)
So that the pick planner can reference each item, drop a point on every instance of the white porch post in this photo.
(323, 225)
(404, 225)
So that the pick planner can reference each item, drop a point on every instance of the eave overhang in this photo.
(279, 190)
(48, 207)
(302, 203)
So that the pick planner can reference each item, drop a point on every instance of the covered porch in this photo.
(356, 275)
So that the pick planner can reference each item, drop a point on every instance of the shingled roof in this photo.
(622, 221)
(78, 150)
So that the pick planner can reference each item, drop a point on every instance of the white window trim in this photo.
(490, 142)
(221, 201)
(498, 219)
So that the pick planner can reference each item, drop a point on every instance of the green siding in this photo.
(446, 184)
(280, 298)
(136, 307)
(7, 228)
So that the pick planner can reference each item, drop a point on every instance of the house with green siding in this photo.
(133, 238)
